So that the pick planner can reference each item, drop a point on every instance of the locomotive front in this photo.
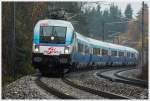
(52, 45)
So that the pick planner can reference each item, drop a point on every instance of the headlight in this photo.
(66, 50)
(36, 49)
(52, 38)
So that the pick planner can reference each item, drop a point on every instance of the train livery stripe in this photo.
(48, 45)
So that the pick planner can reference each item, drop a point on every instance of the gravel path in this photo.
(89, 79)
(25, 88)
(67, 89)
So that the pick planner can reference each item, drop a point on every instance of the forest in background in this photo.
(95, 23)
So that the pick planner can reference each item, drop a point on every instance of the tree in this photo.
(128, 12)
(26, 16)
(133, 33)
(7, 34)
(135, 36)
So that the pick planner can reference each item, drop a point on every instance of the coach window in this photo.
(80, 47)
(96, 51)
(87, 51)
(121, 53)
(104, 52)
(113, 53)
(132, 55)
(128, 54)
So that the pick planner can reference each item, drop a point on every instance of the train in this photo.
(58, 47)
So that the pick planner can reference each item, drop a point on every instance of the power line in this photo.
(111, 23)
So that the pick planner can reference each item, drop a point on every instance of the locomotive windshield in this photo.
(52, 34)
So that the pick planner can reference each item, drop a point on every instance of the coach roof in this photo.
(105, 44)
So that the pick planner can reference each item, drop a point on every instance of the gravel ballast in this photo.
(25, 88)
(133, 74)
(67, 89)
(89, 79)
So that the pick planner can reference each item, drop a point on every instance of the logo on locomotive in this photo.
(52, 50)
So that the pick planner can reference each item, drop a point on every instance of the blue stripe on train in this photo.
(78, 57)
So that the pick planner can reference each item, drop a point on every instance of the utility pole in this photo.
(113, 40)
(14, 38)
(103, 31)
(118, 40)
(142, 61)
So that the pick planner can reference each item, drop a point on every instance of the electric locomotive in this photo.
(53, 44)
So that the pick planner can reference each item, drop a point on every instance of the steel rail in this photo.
(93, 91)
(140, 83)
(53, 90)
(122, 79)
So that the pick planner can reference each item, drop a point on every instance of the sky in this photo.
(136, 6)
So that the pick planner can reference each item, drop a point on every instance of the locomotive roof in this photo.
(53, 22)
(106, 45)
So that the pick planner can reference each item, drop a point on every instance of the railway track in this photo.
(118, 78)
(52, 90)
(93, 91)
(61, 95)
(64, 79)
(141, 83)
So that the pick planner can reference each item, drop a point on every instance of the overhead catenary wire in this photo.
(117, 22)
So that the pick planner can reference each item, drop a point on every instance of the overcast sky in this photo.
(136, 6)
